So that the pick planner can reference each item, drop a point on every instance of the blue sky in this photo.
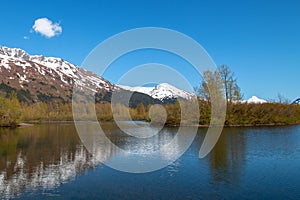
(258, 40)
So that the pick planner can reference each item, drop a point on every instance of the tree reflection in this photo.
(228, 156)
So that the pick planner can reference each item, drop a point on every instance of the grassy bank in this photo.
(13, 113)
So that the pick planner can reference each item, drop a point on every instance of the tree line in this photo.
(222, 82)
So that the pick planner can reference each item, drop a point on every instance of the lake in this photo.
(49, 161)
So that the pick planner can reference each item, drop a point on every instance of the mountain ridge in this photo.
(45, 78)
(40, 78)
(162, 91)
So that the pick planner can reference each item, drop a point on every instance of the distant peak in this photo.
(161, 91)
(255, 99)
(165, 84)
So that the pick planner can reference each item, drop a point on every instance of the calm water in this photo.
(49, 161)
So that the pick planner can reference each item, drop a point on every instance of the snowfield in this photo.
(161, 91)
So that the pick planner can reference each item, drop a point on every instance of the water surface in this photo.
(49, 161)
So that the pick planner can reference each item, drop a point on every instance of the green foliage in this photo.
(254, 114)
(205, 112)
(157, 114)
(12, 113)
(217, 85)
(173, 113)
(267, 113)
(242, 113)
(10, 110)
(140, 111)
(211, 88)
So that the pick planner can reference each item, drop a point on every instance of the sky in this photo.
(258, 40)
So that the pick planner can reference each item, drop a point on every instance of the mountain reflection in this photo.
(40, 157)
(45, 156)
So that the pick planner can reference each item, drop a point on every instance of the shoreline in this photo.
(32, 123)
(237, 125)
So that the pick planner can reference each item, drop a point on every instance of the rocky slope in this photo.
(39, 78)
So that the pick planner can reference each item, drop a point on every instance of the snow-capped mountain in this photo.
(255, 99)
(40, 77)
(162, 91)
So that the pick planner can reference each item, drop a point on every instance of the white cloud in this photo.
(26, 38)
(46, 27)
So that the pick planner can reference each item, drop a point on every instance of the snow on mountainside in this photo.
(255, 99)
(40, 78)
(45, 77)
(161, 91)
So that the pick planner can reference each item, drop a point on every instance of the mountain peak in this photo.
(14, 52)
(49, 77)
(161, 91)
(165, 85)
(255, 99)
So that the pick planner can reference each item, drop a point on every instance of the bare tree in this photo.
(282, 99)
(211, 85)
(216, 79)
(232, 90)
